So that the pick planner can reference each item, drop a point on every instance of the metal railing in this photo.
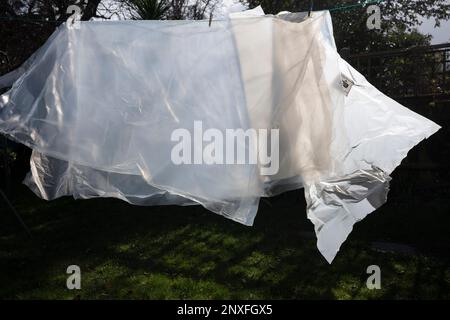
(408, 73)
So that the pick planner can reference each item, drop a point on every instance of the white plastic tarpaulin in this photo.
(98, 105)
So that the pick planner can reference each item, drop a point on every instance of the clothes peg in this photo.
(311, 7)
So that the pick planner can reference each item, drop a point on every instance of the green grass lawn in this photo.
(169, 252)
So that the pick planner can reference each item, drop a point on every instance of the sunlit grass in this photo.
(130, 252)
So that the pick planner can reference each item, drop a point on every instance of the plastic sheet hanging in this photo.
(99, 104)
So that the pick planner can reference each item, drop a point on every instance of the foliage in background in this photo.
(167, 9)
(408, 73)
(149, 10)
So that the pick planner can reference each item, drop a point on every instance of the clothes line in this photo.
(355, 5)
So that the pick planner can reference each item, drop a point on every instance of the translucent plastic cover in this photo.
(99, 106)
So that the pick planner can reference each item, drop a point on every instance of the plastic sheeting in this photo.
(98, 106)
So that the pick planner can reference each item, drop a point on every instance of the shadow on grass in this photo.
(171, 252)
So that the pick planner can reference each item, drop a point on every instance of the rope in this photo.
(355, 5)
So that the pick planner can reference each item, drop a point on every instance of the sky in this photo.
(440, 35)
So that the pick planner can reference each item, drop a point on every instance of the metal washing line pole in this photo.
(5, 197)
